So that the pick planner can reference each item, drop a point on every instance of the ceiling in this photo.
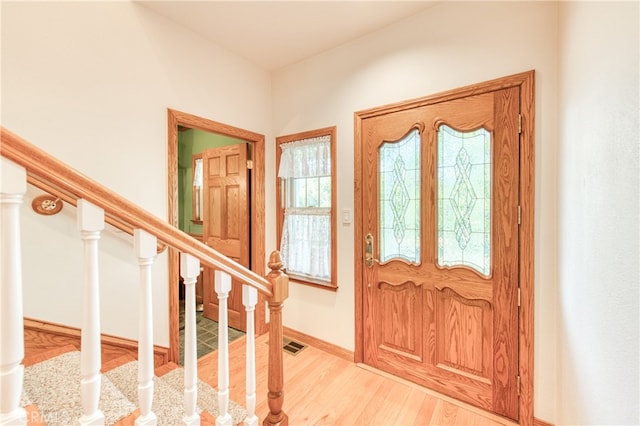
(274, 34)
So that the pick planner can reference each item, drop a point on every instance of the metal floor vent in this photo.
(291, 346)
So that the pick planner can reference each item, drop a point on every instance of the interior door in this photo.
(440, 221)
(226, 223)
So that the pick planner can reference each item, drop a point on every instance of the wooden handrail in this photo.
(46, 168)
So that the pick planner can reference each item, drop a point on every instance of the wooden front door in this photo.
(440, 243)
(226, 223)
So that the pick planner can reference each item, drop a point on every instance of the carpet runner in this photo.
(54, 387)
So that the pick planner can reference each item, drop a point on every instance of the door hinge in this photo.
(518, 384)
(519, 295)
(519, 215)
(249, 164)
(519, 123)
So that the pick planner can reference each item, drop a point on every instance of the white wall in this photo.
(90, 82)
(450, 45)
(598, 214)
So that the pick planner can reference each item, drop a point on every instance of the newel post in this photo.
(280, 282)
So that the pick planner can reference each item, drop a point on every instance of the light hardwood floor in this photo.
(321, 389)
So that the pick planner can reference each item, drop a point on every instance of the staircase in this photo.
(24, 163)
(118, 392)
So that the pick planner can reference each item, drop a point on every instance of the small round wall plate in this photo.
(46, 205)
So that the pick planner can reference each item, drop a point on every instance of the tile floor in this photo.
(207, 334)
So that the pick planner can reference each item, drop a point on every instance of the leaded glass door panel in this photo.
(440, 274)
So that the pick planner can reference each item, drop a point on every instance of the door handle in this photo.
(368, 251)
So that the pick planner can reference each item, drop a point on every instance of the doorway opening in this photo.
(180, 121)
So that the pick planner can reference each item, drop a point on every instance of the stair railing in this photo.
(22, 162)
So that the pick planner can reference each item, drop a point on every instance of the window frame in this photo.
(326, 131)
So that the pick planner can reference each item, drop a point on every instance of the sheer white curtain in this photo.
(305, 245)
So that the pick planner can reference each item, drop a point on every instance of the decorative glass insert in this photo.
(464, 199)
(399, 199)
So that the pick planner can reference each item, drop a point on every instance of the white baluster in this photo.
(13, 183)
(145, 250)
(249, 300)
(223, 286)
(190, 269)
(90, 224)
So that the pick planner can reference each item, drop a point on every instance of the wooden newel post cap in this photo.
(275, 261)
(278, 279)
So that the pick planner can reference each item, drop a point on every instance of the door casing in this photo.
(525, 82)
(177, 118)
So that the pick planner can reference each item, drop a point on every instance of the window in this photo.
(306, 206)
(196, 195)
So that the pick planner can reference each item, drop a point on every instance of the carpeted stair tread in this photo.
(52, 390)
(207, 396)
(54, 387)
(168, 403)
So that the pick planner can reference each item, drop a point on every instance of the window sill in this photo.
(325, 285)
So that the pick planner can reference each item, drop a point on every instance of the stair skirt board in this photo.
(54, 387)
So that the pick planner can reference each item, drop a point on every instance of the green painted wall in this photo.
(190, 143)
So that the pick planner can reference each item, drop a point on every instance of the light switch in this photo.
(346, 216)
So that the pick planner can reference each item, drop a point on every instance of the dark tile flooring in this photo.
(206, 334)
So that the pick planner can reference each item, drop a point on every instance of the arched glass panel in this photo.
(464, 199)
(399, 199)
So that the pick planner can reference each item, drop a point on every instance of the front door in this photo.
(440, 227)
(226, 223)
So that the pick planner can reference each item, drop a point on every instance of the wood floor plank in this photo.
(425, 413)
(411, 406)
(316, 403)
(375, 399)
(444, 414)
(394, 406)
(327, 403)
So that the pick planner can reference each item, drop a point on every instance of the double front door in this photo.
(439, 284)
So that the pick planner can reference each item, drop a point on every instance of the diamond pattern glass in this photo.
(464, 199)
(399, 199)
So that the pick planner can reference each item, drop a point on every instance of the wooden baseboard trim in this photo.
(160, 353)
(539, 422)
(319, 344)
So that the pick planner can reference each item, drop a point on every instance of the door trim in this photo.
(177, 118)
(525, 82)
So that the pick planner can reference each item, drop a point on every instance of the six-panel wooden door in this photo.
(226, 222)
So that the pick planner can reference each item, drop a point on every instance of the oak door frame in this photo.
(525, 82)
(177, 118)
